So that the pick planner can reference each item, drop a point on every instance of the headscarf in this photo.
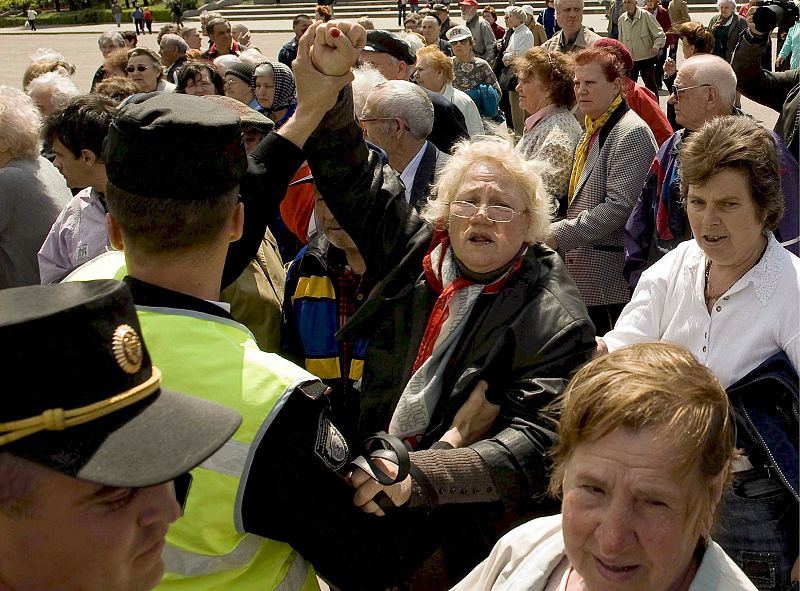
(285, 93)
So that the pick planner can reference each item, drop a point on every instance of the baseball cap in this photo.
(458, 33)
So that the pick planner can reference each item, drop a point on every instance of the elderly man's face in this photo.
(691, 102)
(193, 39)
(390, 67)
(569, 15)
(108, 48)
(467, 12)
(328, 225)
(430, 29)
(628, 512)
(84, 536)
(301, 26)
(725, 11)
(167, 52)
(630, 6)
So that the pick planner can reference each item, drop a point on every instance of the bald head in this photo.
(706, 68)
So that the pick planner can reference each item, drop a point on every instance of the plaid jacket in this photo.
(590, 238)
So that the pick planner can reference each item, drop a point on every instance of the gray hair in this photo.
(731, 3)
(253, 56)
(366, 77)
(712, 69)
(413, 41)
(176, 42)
(20, 121)
(406, 101)
(226, 61)
(557, 2)
(497, 153)
(516, 12)
(60, 88)
(111, 38)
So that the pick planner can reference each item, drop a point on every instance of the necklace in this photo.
(712, 296)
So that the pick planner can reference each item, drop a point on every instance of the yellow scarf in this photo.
(592, 127)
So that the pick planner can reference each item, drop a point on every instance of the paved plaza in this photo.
(79, 44)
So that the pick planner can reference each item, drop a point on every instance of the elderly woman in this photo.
(521, 40)
(727, 27)
(239, 83)
(490, 16)
(468, 307)
(145, 69)
(434, 71)
(50, 91)
(275, 91)
(32, 191)
(610, 166)
(730, 296)
(644, 452)
(38, 68)
(551, 132)
(199, 79)
(469, 71)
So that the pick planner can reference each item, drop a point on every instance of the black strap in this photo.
(387, 447)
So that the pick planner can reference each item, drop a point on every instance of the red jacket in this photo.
(662, 17)
(645, 104)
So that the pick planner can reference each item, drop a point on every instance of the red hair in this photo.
(609, 61)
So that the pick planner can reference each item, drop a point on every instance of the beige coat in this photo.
(678, 12)
(641, 34)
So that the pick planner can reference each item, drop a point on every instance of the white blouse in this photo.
(756, 318)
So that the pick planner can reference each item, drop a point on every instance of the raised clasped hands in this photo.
(325, 54)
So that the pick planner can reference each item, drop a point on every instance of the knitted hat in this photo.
(242, 71)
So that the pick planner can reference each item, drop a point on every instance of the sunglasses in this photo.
(130, 69)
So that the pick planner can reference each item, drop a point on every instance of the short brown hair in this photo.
(738, 143)
(437, 60)
(555, 70)
(116, 89)
(154, 226)
(649, 386)
(697, 36)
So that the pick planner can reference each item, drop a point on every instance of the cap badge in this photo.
(127, 348)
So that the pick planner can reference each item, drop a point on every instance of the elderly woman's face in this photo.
(238, 89)
(489, 17)
(144, 72)
(429, 75)
(725, 220)
(201, 85)
(430, 29)
(533, 94)
(479, 243)
(725, 11)
(593, 91)
(629, 515)
(462, 49)
(265, 90)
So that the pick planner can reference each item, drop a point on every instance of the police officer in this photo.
(89, 441)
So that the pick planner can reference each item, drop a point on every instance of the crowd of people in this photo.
(455, 307)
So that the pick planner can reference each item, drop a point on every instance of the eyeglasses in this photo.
(678, 91)
(493, 213)
(363, 120)
(139, 68)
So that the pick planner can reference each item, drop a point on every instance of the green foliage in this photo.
(161, 14)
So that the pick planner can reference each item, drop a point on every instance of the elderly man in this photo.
(176, 226)
(430, 29)
(398, 117)
(573, 36)
(442, 12)
(222, 43)
(192, 37)
(173, 55)
(643, 36)
(89, 442)
(705, 87)
(288, 52)
(393, 58)
(482, 35)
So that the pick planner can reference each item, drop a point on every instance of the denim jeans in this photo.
(757, 527)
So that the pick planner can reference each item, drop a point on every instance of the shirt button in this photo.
(453, 490)
(719, 308)
(360, 297)
(704, 349)
(488, 489)
(726, 298)
(442, 490)
(463, 491)
(705, 336)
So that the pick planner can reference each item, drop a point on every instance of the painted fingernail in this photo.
(335, 33)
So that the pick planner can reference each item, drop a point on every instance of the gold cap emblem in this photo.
(127, 348)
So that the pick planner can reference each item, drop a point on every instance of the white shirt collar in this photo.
(410, 171)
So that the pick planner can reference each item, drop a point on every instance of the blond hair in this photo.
(499, 156)
(438, 60)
